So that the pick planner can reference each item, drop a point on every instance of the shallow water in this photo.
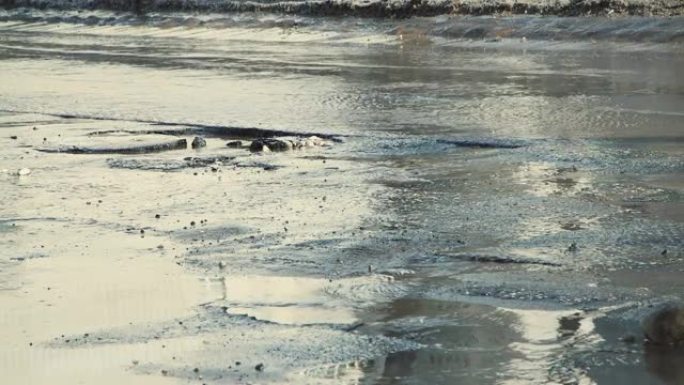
(494, 210)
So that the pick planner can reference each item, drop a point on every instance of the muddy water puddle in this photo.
(483, 210)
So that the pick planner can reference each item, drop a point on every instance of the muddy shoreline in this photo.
(375, 8)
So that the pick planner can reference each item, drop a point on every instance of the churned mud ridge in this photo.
(503, 259)
(179, 144)
(213, 162)
(484, 143)
(169, 164)
(376, 8)
(225, 132)
(207, 130)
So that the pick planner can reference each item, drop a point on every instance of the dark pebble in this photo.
(259, 368)
(198, 142)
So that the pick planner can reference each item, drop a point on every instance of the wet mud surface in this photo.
(482, 212)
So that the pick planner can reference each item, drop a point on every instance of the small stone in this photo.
(259, 367)
(234, 144)
(14, 137)
(157, 216)
(142, 231)
(192, 223)
(269, 144)
(196, 370)
(198, 142)
(573, 247)
(221, 265)
(23, 171)
(164, 372)
(664, 252)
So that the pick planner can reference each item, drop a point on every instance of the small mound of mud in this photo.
(213, 161)
(146, 148)
(485, 143)
(504, 259)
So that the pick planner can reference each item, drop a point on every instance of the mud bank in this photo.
(377, 8)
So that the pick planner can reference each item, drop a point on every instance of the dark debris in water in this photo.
(504, 259)
(484, 143)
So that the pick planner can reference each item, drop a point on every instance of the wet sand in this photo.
(485, 210)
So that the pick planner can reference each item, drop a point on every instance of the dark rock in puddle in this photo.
(179, 144)
(198, 142)
(234, 144)
(665, 326)
(266, 145)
